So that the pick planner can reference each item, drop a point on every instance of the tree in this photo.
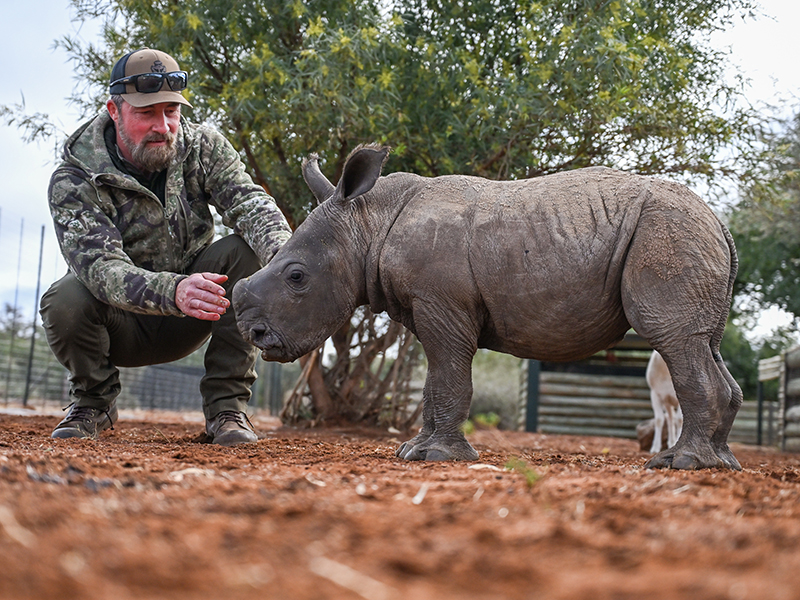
(494, 88)
(515, 90)
(488, 87)
(766, 223)
(741, 359)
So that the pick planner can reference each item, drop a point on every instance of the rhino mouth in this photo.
(267, 340)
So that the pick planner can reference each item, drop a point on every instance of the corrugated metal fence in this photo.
(786, 368)
(586, 404)
(607, 395)
(609, 405)
(790, 438)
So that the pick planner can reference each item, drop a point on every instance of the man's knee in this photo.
(229, 256)
(67, 302)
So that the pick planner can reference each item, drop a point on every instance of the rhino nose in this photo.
(261, 336)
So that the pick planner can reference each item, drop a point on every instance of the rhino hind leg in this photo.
(720, 437)
(703, 443)
(676, 293)
(709, 406)
(454, 447)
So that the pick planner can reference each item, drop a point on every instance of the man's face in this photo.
(146, 135)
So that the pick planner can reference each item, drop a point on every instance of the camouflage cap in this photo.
(144, 61)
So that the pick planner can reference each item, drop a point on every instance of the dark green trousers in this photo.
(91, 338)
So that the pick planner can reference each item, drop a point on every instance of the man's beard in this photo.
(151, 159)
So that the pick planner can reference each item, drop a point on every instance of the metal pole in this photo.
(35, 312)
(532, 410)
(760, 414)
(14, 313)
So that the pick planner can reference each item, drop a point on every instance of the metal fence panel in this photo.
(590, 404)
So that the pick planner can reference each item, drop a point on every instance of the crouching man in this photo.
(146, 283)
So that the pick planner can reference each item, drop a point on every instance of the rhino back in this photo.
(537, 262)
(548, 259)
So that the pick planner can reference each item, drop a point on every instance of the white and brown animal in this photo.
(666, 408)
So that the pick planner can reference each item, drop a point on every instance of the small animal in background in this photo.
(666, 408)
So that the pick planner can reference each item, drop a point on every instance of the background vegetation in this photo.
(496, 88)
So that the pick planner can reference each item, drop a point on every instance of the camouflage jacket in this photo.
(126, 247)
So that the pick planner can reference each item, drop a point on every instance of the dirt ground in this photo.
(146, 512)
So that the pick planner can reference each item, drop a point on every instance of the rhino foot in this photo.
(406, 446)
(440, 449)
(685, 458)
(689, 461)
(726, 456)
(662, 460)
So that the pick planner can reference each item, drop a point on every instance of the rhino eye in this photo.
(296, 276)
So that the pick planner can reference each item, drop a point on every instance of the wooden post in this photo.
(768, 368)
(760, 413)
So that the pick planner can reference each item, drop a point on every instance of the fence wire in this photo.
(158, 387)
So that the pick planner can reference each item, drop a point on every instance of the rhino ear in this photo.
(361, 171)
(315, 180)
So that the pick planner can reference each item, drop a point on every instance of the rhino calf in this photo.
(554, 268)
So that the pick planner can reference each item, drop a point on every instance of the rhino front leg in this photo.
(427, 426)
(441, 436)
(447, 394)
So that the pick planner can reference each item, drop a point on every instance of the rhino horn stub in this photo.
(361, 171)
(315, 180)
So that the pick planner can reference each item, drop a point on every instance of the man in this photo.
(131, 206)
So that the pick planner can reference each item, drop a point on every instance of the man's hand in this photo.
(201, 296)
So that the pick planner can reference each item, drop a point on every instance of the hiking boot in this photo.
(230, 427)
(86, 422)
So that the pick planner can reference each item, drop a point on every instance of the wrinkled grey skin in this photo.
(554, 268)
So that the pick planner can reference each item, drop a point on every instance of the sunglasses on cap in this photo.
(150, 83)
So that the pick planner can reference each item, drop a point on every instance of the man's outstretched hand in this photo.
(201, 296)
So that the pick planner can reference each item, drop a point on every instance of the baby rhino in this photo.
(554, 268)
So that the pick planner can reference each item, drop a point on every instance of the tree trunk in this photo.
(368, 382)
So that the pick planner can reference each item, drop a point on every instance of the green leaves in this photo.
(487, 87)
(766, 222)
